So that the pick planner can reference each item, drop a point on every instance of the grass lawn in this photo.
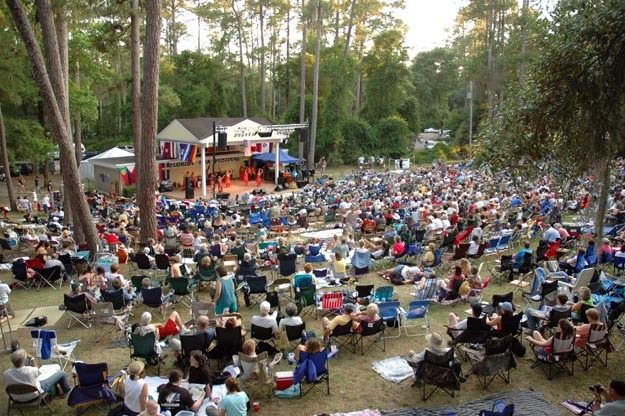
(354, 385)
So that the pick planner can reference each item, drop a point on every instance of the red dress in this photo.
(246, 177)
(259, 177)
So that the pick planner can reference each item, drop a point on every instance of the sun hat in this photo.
(506, 306)
(135, 368)
(436, 341)
(75, 285)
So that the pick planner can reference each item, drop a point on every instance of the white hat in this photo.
(436, 341)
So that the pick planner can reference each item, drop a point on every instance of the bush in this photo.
(129, 191)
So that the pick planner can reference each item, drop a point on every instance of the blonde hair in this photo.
(249, 347)
(308, 267)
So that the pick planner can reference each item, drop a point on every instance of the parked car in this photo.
(430, 144)
(431, 130)
(50, 167)
(127, 147)
(23, 168)
(165, 186)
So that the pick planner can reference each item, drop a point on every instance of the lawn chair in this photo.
(20, 390)
(257, 374)
(294, 334)
(183, 288)
(45, 347)
(50, 275)
(389, 312)
(312, 371)
(597, 345)
(495, 361)
(343, 335)
(143, 264)
(142, 348)
(439, 371)
(257, 288)
(583, 279)
(332, 302)
(562, 354)
(152, 299)
(188, 343)
(371, 333)
(499, 409)
(78, 308)
(364, 294)
(383, 294)
(263, 334)
(229, 343)
(306, 301)
(417, 310)
(91, 388)
(104, 314)
(20, 275)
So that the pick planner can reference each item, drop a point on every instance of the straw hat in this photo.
(136, 367)
(436, 341)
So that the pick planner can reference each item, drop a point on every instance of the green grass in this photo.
(354, 385)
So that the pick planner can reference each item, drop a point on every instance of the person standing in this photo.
(37, 184)
(224, 298)
(259, 177)
(324, 164)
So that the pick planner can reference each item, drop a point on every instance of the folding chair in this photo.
(287, 268)
(311, 378)
(384, 294)
(343, 335)
(461, 251)
(499, 409)
(476, 334)
(20, 275)
(417, 310)
(332, 302)
(152, 298)
(306, 301)
(104, 314)
(229, 343)
(20, 390)
(116, 297)
(562, 353)
(389, 312)
(364, 293)
(137, 281)
(142, 263)
(263, 334)
(142, 347)
(188, 343)
(254, 376)
(91, 388)
(161, 261)
(583, 279)
(439, 371)
(294, 334)
(50, 275)
(45, 347)
(550, 325)
(183, 288)
(496, 361)
(202, 308)
(257, 288)
(373, 332)
(78, 309)
(595, 348)
(521, 282)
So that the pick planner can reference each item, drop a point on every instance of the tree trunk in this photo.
(315, 103)
(5, 162)
(47, 79)
(288, 54)
(146, 174)
(261, 12)
(135, 42)
(350, 26)
(79, 234)
(241, 64)
(524, 17)
(302, 81)
(604, 183)
(491, 69)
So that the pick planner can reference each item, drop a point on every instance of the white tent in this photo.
(86, 168)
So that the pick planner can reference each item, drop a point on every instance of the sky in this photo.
(430, 22)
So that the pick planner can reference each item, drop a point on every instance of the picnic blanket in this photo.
(52, 312)
(526, 402)
(395, 369)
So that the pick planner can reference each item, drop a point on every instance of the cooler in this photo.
(284, 380)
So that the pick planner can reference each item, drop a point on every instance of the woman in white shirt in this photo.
(135, 389)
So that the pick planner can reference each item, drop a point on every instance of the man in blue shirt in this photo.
(518, 257)
(551, 235)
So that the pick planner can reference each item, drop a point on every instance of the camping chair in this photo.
(257, 288)
(561, 355)
(229, 343)
(499, 409)
(495, 361)
(383, 294)
(618, 263)
(373, 332)
(142, 262)
(142, 347)
(550, 325)
(183, 288)
(263, 334)
(91, 388)
(20, 275)
(257, 373)
(504, 269)
(161, 260)
(598, 344)
(476, 333)
(389, 312)
(332, 302)
(583, 279)
(78, 309)
(306, 301)
(439, 371)
(361, 261)
(417, 309)
(492, 244)
(312, 371)
(230, 261)
(202, 308)
(49, 275)
(23, 389)
(343, 335)
(45, 347)
(448, 241)
(136, 281)
(104, 314)
(120, 304)
(294, 334)
(547, 295)
(364, 294)
(521, 282)
(461, 251)
(152, 298)
(192, 342)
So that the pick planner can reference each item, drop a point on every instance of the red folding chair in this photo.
(332, 302)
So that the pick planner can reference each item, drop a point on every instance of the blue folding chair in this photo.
(417, 310)
(389, 312)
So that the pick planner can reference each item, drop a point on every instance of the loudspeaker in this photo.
(265, 133)
(222, 140)
(189, 192)
(303, 135)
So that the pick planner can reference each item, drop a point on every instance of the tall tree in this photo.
(146, 172)
(50, 80)
(315, 103)
(302, 79)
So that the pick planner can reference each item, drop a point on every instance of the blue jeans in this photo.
(532, 321)
(59, 377)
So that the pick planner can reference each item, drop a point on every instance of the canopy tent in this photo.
(284, 157)
(86, 166)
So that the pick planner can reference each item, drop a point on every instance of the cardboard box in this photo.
(284, 380)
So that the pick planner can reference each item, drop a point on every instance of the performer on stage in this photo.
(227, 182)
(220, 183)
(259, 177)
(246, 176)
